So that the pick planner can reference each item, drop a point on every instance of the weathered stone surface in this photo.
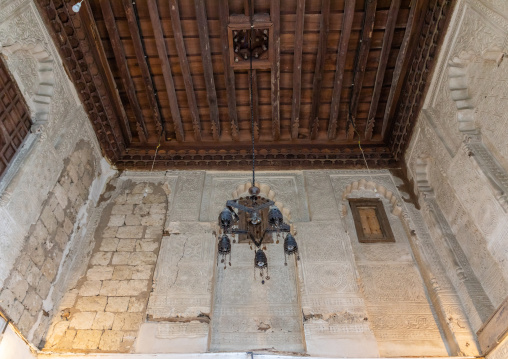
(122, 209)
(123, 272)
(49, 219)
(103, 320)
(43, 287)
(40, 232)
(133, 220)
(26, 322)
(33, 274)
(127, 321)
(90, 288)
(158, 208)
(87, 339)
(140, 258)
(32, 302)
(59, 214)
(110, 287)
(61, 238)
(117, 220)
(130, 232)
(101, 258)
(132, 287)
(146, 246)
(142, 272)
(68, 226)
(126, 245)
(50, 268)
(60, 195)
(17, 285)
(121, 258)
(117, 304)
(142, 209)
(109, 232)
(100, 273)
(111, 340)
(137, 304)
(82, 320)
(153, 220)
(109, 244)
(36, 251)
(14, 309)
(90, 304)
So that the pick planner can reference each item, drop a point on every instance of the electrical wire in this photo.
(251, 95)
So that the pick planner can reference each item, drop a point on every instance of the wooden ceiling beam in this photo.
(160, 43)
(297, 69)
(204, 41)
(121, 62)
(184, 66)
(319, 68)
(143, 64)
(345, 34)
(383, 61)
(229, 74)
(275, 74)
(401, 57)
(361, 64)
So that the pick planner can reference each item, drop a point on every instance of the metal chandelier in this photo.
(253, 217)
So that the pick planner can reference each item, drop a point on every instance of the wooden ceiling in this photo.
(334, 72)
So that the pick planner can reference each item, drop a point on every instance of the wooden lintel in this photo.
(184, 66)
(166, 69)
(275, 74)
(345, 34)
(204, 41)
(229, 74)
(494, 330)
(361, 64)
(121, 62)
(142, 62)
(319, 68)
(297, 69)
(383, 61)
(401, 57)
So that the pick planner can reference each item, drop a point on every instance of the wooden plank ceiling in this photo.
(334, 72)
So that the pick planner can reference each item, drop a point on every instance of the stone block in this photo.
(40, 232)
(72, 171)
(133, 220)
(146, 246)
(17, 285)
(111, 340)
(56, 334)
(23, 263)
(87, 339)
(90, 288)
(59, 213)
(103, 321)
(121, 199)
(109, 287)
(33, 274)
(116, 220)
(122, 273)
(13, 308)
(82, 320)
(142, 272)
(43, 287)
(68, 226)
(50, 268)
(32, 302)
(126, 245)
(101, 258)
(142, 209)
(153, 220)
(120, 258)
(73, 193)
(140, 258)
(158, 208)
(36, 251)
(26, 322)
(109, 232)
(117, 304)
(154, 198)
(49, 219)
(61, 195)
(109, 244)
(69, 299)
(132, 287)
(130, 232)
(153, 233)
(65, 182)
(100, 273)
(137, 304)
(134, 198)
(127, 321)
(122, 209)
(61, 238)
(91, 304)
(140, 188)
(52, 202)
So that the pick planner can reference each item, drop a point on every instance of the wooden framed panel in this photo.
(371, 222)
(15, 119)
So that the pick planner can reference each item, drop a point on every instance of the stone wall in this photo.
(341, 299)
(51, 187)
(458, 160)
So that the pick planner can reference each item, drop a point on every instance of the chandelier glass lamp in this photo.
(253, 217)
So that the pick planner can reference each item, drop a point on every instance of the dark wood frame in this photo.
(387, 234)
(256, 63)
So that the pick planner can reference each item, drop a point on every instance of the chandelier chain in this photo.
(251, 96)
